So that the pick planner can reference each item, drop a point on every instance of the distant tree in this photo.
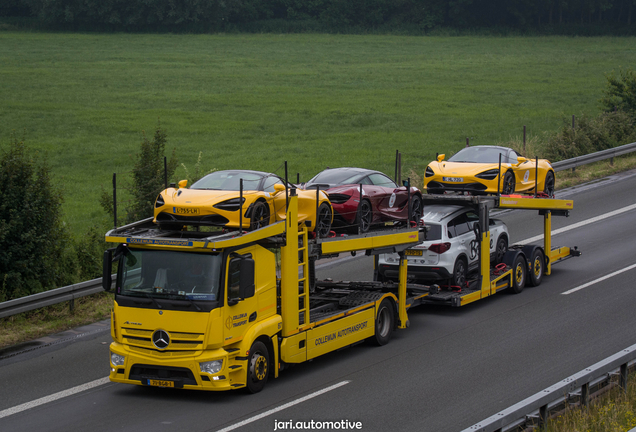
(148, 177)
(37, 252)
(620, 93)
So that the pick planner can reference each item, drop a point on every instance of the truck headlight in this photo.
(211, 367)
(116, 359)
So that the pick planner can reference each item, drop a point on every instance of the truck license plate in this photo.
(160, 383)
(185, 211)
(411, 252)
(453, 179)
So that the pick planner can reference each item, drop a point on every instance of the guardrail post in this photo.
(585, 394)
(543, 415)
(71, 305)
(623, 377)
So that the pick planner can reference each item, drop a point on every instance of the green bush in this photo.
(591, 134)
(620, 93)
(37, 251)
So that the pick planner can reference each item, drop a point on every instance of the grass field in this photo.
(253, 101)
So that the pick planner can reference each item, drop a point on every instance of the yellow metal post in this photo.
(485, 264)
(404, 319)
(547, 239)
(289, 269)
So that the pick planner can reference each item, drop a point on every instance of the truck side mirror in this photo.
(107, 279)
(247, 287)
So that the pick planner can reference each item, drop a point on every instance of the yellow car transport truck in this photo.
(212, 312)
(204, 311)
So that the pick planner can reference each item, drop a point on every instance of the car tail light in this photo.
(439, 248)
(336, 198)
(429, 172)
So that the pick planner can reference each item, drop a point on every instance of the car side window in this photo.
(512, 157)
(268, 185)
(382, 180)
(459, 225)
(472, 219)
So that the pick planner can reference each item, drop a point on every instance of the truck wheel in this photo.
(519, 270)
(384, 323)
(257, 367)
(537, 267)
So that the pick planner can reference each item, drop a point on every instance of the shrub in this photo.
(37, 251)
(620, 93)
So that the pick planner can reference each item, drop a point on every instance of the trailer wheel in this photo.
(519, 270)
(537, 267)
(384, 323)
(258, 367)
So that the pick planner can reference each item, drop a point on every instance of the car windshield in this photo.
(169, 275)
(336, 177)
(480, 155)
(229, 180)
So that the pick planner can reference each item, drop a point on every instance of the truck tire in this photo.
(384, 323)
(537, 267)
(460, 272)
(257, 367)
(519, 274)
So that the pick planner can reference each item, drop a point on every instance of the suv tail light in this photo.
(439, 248)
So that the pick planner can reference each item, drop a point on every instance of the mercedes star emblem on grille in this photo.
(160, 339)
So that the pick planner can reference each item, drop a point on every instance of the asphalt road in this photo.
(452, 368)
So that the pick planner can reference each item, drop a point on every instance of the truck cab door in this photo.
(240, 302)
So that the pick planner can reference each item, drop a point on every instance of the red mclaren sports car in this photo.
(382, 199)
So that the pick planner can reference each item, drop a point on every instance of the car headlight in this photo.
(488, 175)
(160, 202)
(211, 367)
(116, 359)
(429, 172)
(230, 205)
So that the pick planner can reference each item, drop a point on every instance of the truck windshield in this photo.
(169, 275)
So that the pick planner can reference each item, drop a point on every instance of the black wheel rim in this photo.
(460, 277)
(549, 184)
(502, 248)
(323, 224)
(260, 216)
(365, 216)
(508, 186)
(416, 210)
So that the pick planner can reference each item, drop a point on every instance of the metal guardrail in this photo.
(576, 389)
(51, 297)
(71, 292)
(594, 157)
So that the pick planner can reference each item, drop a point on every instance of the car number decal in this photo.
(392, 200)
(526, 176)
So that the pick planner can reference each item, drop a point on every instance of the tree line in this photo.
(331, 15)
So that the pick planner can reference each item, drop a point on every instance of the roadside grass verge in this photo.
(614, 411)
(53, 319)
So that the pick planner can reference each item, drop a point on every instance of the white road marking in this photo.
(51, 398)
(580, 224)
(282, 407)
(599, 280)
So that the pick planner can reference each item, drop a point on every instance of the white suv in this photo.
(450, 250)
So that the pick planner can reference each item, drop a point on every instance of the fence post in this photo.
(524, 139)
(115, 199)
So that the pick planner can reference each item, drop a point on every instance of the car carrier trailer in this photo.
(521, 265)
(232, 320)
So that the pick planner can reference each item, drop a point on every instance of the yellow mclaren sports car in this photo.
(476, 170)
(215, 200)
